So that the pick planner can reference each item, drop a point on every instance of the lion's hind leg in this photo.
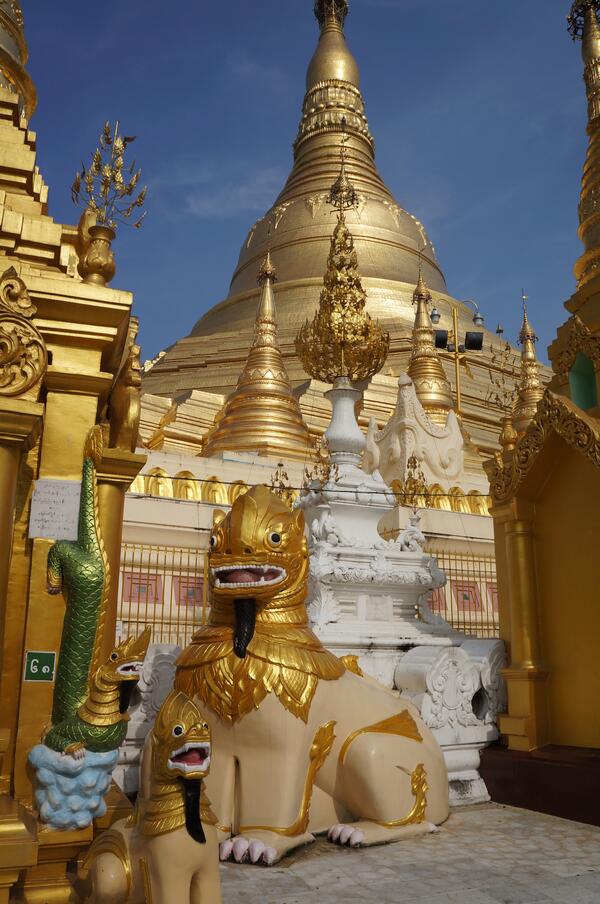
(107, 880)
(394, 787)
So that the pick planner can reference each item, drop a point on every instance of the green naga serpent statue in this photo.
(90, 697)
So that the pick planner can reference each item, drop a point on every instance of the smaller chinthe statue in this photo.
(74, 763)
(167, 851)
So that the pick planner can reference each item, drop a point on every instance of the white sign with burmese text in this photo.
(55, 509)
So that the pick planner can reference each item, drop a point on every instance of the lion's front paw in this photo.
(247, 850)
(347, 835)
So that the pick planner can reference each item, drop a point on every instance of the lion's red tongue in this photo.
(241, 576)
(194, 757)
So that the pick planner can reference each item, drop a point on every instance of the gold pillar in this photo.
(71, 407)
(526, 723)
(18, 844)
(117, 470)
(20, 423)
(49, 882)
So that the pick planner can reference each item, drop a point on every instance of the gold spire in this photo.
(295, 227)
(583, 24)
(530, 390)
(342, 340)
(333, 81)
(425, 368)
(332, 59)
(262, 414)
(14, 55)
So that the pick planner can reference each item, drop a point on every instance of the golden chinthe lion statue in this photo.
(167, 851)
(301, 744)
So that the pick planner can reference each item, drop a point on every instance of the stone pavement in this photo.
(483, 855)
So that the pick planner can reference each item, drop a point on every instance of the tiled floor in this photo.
(483, 855)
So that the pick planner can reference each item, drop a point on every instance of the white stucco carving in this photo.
(409, 431)
(155, 684)
(458, 691)
(369, 596)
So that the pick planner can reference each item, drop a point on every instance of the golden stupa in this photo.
(392, 246)
(262, 412)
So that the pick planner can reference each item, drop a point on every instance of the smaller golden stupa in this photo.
(342, 340)
(425, 368)
(530, 390)
(262, 413)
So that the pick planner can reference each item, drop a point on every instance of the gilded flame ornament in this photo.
(342, 340)
(554, 414)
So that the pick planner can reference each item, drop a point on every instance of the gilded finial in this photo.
(342, 195)
(331, 12)
(342, 340)
(425, 368)
(267, 270)
(530, 389)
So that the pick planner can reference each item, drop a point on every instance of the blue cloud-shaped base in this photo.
(70, 793)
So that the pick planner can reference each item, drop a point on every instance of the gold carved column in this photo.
(23, 364)
(116, 472)
(525, 725)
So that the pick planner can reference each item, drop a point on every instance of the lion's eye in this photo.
(114, 656)
(275, 538)
(213, 541)
(178, 731)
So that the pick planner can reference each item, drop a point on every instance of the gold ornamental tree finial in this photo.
(109, 188)
(583, 25)
(109, 194)
(342, 340)
(425, 368)
(530, 390)
(14, 55)
(262, 413)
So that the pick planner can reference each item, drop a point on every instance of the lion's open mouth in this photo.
(130, 669)
(191, 758)
(247, 576)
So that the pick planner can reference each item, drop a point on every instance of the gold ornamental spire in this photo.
(14, 55)
(333, 82)
(262, 414)
(584, 25)
(425, 368)
(342, 340)
(530, 390)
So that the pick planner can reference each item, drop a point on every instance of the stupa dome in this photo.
(297, 229)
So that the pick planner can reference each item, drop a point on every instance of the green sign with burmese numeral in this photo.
(39, 666)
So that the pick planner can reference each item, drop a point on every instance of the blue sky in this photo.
(478, 111)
